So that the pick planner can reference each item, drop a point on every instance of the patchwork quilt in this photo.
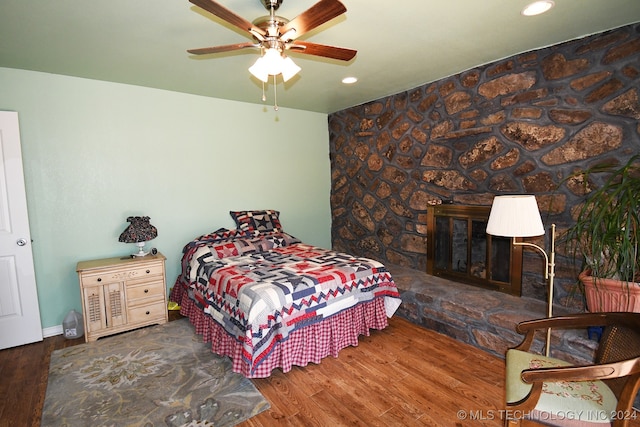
(260, 287)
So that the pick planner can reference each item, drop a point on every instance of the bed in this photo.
(268, 300)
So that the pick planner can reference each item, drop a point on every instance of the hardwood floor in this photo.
(24, 372)
(404, 375)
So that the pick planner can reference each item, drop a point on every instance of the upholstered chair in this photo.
(547, 391)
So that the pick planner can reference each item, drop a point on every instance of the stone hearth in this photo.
(484, 319)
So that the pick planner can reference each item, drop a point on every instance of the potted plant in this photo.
(606, 235)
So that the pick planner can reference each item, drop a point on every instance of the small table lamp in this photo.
(138, 231)
(518, 216)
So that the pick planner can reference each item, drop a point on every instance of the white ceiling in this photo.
(401, 44)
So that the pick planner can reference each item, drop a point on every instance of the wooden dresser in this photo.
(121, 294)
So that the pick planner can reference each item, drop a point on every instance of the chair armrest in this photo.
(579, 320)
(582, 373)
(528, 328)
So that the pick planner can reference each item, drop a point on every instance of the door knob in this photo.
(21, 242)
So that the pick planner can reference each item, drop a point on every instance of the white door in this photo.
(19, 310)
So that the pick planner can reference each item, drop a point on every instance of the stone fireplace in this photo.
(521, 125)
(459, 249)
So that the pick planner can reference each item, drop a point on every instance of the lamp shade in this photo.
(139, 230)
(259, 70)
(515, 216)
(274, 63)
(289, 69)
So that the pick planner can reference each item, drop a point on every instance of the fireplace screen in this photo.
(460, 249)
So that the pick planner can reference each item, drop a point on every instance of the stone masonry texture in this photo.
(521, 125)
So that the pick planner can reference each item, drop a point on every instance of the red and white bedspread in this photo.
(269, 301)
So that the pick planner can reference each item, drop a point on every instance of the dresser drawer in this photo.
(110, 276)
(147, 292)
(148, 312)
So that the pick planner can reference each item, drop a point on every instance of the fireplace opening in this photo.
(459, 249)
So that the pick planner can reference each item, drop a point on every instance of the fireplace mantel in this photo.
(459, 249)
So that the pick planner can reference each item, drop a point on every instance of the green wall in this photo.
(95, 153)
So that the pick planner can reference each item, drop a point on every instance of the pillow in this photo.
(262, 221)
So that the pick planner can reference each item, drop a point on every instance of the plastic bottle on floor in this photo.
(72, 325)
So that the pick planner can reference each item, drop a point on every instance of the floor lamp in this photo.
(518, 216)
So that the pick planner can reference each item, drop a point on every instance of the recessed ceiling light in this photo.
(349, 80)
(538, 7)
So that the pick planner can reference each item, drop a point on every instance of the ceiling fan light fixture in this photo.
(537, 7)
(275, 34)
(289, 69)
(259, 70)
(274, 63)
(268, 64)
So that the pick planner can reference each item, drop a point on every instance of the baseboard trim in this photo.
(52, 331)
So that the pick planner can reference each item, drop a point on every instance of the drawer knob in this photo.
(148, 312)
(99, 279)
(148, 271)
(146, 291)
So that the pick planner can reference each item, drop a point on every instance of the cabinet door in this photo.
(115, 304)
(95, 318)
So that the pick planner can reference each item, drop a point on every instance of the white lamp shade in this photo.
(259, 70)
(274, 63)
(289, 69)
(515, 216)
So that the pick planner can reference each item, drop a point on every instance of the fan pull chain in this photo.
(275, 93)
(264, 97)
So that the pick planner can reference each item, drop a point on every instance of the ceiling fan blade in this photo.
(227, 15)
(316, 15)
(333, 52)
(219, 49)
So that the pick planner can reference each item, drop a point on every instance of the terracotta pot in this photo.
(609, 294)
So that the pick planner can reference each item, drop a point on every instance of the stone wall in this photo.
(520, 125)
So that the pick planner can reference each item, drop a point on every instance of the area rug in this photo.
(157, 376)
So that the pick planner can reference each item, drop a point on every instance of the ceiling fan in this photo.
(273, 35)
